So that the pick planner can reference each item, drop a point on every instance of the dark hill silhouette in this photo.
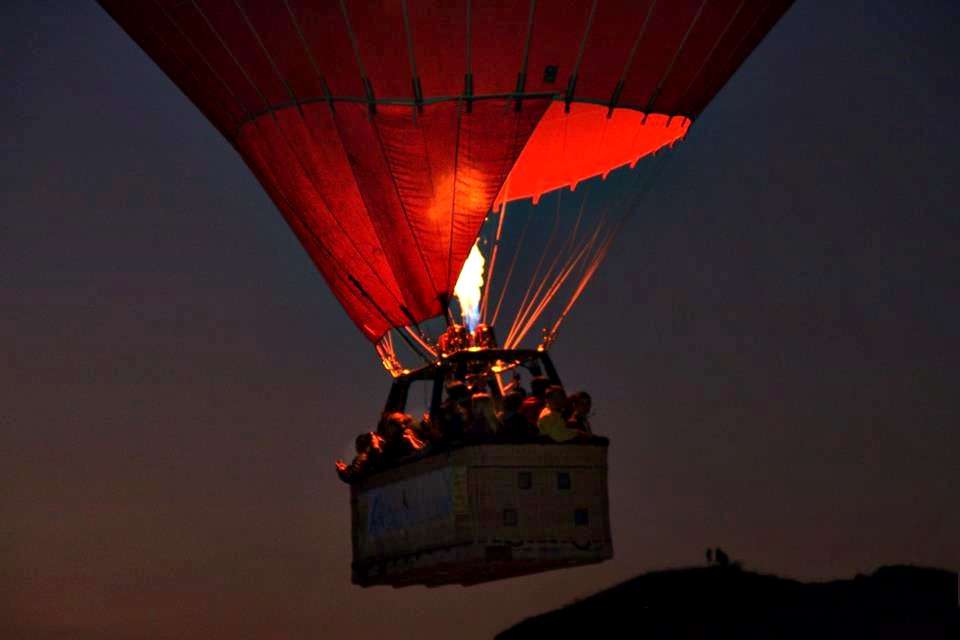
(726, 602)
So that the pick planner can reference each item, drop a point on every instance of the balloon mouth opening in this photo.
(589, 140)
(536, 278)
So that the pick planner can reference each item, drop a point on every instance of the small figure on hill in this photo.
(722, 558)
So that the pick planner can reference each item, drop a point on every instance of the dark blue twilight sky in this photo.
(175, 378)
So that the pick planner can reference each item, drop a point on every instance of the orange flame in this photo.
(470, 287)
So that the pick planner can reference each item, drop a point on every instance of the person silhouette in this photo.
(722, 558)
(709, 555)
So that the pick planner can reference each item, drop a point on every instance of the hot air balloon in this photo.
(397, 138)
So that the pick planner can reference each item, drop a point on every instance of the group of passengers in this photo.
(471, 415)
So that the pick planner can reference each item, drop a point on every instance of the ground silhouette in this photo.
(727, 602)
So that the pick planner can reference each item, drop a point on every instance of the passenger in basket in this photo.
(452, 421)
(579, 405)
(463, 416)
(534, 403)
(482, 424)
(514, 385)
(514, 427)
(411, 434)
(369, 448)
(430, 431)
(398, 436)
(552, 423)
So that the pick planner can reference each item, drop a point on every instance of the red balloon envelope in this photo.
(385, 131)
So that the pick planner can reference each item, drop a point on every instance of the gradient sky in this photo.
(772, 346)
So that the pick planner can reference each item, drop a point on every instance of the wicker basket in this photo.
(481, 513)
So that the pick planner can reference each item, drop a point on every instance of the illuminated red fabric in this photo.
(384, 130)
(567, 148)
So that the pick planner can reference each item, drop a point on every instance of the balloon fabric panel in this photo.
(384, 130)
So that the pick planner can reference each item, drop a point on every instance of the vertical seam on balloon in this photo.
(740, 42)
(572, 82)
(266, 53)
(453, 204)
(429, 166)
(316, 69)
(294, 210)
(233, 57)
(522, 75)
(468, 76)
(376, 130)
(408, 34)
(365, 80)
(353, 40)
(448, 285)
(526, 43)
(514, 152)
(469, 41)
(618, 89)
(308, 173)
(683, 42)
(583, 40)
(367, 208)
(710, 53)
(189, 69)
(415, 78)
(400, 301)
(418, 106)
(306, 48)
(333, 262)
(403, 206)
(202, 57)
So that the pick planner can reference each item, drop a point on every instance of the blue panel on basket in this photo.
(410, 503)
